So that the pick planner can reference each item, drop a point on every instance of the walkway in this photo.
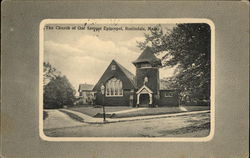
(57, 119)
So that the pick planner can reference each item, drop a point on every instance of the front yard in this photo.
(91, 111)
(160, 111)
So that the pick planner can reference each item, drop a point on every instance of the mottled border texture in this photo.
(20, 78)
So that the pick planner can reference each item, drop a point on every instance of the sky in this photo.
(82, 55)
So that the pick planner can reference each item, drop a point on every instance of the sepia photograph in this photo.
(130, 79)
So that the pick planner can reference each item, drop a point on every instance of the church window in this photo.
(113, 67)
(120, 88)
(168, 94)
(145, 80)
(107, 91)
(114, 87)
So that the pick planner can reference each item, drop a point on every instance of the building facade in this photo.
(86, 93)
(122, 88)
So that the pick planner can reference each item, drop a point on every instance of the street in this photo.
(194, 125)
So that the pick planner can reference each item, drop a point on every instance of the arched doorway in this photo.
(144, 100)
(144, 96)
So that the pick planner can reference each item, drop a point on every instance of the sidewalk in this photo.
(57, 119)
(88, 119)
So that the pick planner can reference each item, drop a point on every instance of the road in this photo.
(195, 125)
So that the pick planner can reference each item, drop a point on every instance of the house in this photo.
(122, 88)
(86, 93)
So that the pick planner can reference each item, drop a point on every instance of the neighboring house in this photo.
(86, 93)
(122, 88)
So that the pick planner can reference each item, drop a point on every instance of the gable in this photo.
(118, 72)
(144, 89)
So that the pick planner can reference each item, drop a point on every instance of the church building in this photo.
(122, 88)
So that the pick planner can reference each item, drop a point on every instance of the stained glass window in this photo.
(114, 87)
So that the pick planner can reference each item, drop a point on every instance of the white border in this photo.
(127, 21)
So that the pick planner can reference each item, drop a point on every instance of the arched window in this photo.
(114, 87)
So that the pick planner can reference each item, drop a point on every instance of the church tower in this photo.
(147, 78)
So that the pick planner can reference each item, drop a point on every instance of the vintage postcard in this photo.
(113, 79)
(127, 80)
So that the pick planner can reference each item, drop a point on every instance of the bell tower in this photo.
(147, 76)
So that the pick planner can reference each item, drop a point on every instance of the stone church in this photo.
(122, 88)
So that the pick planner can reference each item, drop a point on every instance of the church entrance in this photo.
(144, 97)
(144, 100)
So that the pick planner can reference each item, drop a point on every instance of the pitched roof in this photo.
(144, 87)
(147, 56)
(122, 72)
(129, 75)
(85, 87)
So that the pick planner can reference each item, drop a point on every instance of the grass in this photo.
(73, 116)
(159, 111)
(149, 111)
(197, 108)
(91, 111)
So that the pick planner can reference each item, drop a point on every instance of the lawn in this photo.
(91, 111)
(149, 111)
(160, 110)
(197, 108)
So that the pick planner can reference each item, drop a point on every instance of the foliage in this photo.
(49, 73)
(58, 92)
(57, 89)
(186, 46)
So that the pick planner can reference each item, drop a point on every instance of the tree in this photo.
(186, 46)
(49, 73)
(58, 93)
(57, 89)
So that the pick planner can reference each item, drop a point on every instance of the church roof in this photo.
(129, 75)
(121, 73)
(147, 56)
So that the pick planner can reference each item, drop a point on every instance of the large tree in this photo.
(187, 47)
(58, 91)
(49, 73)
